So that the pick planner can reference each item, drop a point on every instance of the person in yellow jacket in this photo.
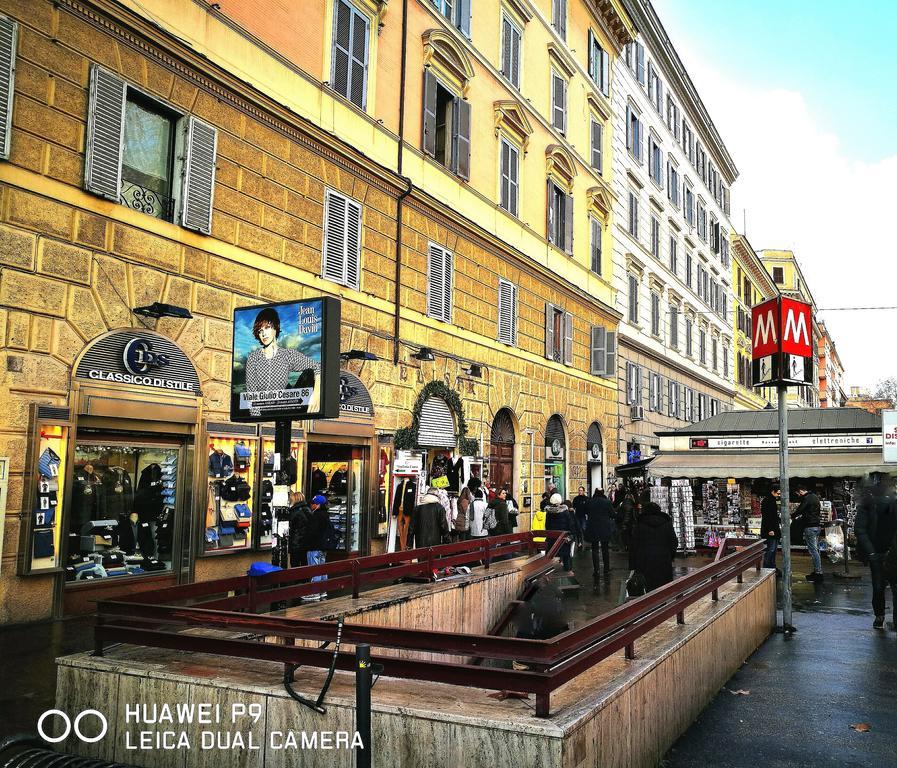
(539, 516)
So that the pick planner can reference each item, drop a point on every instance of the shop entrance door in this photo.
(338, 472)
(501, 466)
(126, 521)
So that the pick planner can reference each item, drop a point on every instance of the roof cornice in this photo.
(651, 28)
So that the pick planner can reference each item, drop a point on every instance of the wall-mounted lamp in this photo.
(424, 354)
(474, 371)
(358, 354)
(157, 309)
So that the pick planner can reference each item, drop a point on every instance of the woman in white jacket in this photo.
(482, 520)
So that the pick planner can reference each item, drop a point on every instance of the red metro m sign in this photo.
(782, 343)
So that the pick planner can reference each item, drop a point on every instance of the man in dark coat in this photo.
(808, 514)
(626, 515)
(579, 512)
(300, 531)
(559, 518)
(599, 529)
(653, 546)
(770, 526)
(876, 529)
(428, 524)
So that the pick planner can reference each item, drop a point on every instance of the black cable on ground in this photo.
(316, 705)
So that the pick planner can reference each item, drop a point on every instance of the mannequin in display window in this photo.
(88, 497)
(338, 482)
(404, 501)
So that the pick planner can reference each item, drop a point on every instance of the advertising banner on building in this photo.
(286, 361)
(889, 437)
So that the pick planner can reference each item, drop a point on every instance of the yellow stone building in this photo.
(751, 285)
(444, 176)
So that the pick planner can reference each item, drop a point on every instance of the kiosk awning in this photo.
(717, 464)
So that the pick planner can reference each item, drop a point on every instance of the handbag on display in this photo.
(235, 489)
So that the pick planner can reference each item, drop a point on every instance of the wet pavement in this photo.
(802, 694)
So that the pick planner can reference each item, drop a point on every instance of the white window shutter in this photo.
(568, 338)
(605, 73)
(8, 35)
(610, 364)
(353, 244)
(549, 330)
(435, 274)
(447, 272)
(513, 311)
(199, 176)
(568, 224)
(598, 356)
(105, 134)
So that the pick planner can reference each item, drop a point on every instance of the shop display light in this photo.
(424, 354)
(157, 309)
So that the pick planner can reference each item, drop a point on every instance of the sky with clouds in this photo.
(803, 94)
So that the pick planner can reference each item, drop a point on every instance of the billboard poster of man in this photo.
(283, 354)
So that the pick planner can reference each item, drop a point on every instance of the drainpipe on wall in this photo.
(408, 186)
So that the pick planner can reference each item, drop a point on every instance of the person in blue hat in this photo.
(319, 528)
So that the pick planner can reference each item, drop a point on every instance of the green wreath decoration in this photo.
(406, 437)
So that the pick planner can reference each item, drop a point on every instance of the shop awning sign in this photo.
(782, 343)
(889, 437)
(737, 442)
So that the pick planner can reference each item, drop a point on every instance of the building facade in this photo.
(751, 284)
(783, 267)
(672, 176)
(187, 160)
(831, 372)
(860, 399)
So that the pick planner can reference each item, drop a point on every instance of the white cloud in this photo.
(802, 191)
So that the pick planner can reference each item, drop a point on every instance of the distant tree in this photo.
(887, 389)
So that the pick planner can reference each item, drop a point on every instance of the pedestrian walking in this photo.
(876, 532)
(513, 508)
(482, 519)
(599, 529)
(299, 530)
(653, 545)
(626, 515)
(770, 526)
(428, 524)
(559, 518)
(318, 534)
(462, 519)
(579, 511)
(499, 507)
(807, 514)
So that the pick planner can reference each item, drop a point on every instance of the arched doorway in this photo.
(501, 450)
(595, 457)
(556, 455)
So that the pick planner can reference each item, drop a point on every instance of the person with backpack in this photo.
(876, 532)
(462, 519)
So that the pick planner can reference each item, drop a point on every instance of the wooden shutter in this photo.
(506, 46)
(568, 338)
(199, 176)
(464, 17)
(598, 351)
(8, 36)
(516, 40)
(558, 94)
(513, 182)
(429, 113)
(341, 258)
(359, 65)
(462, 138)
(630, 140)
(105, 134)
(552, 236)
(610, 366)
(605, 73)
(592, 62)
(505, 180)
(597, 137)
(549, 330)
(568, 224)
(342, 43)
(435, 284)
(596, 246)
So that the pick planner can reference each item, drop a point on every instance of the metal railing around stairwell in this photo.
(155, 620)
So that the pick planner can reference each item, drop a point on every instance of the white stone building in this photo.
(672, 178)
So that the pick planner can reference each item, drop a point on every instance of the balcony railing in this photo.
(146, 200)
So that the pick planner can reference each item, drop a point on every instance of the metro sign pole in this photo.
(782, 356)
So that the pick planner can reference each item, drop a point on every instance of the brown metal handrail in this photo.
(553, 662)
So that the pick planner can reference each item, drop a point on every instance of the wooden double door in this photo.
(501, 465)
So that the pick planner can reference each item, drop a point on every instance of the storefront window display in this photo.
(289, 470)
(231, 476)
(337, 472)
(49, 492)
(555, 456)
(124, 503)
